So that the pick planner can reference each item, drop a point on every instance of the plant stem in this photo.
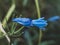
(19, 30)
(38, 9)
(5, 34)
(39, 15)
(9, 13)
(40, 37)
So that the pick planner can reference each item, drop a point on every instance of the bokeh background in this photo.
(29, 36)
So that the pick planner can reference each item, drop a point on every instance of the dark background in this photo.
(48, 9)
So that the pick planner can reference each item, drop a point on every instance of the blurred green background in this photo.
(27, 8)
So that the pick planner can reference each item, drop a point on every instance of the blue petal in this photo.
(23, 21)
(41, 23)
(54, 18)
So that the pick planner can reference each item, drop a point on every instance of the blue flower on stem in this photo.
(41, 23)
(54, 18)
(23, 21)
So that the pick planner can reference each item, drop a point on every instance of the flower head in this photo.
(41, 23)
(54, 18)
(23, 21)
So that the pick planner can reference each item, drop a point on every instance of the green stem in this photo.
(19, 30)
(9, 13)
(40, 37)
(3, 31)
(38, 9)
(39, 15)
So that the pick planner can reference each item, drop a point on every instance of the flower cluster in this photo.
(40, 23)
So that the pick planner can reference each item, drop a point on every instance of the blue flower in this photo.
(54, 18)
(41, 23)
(23, 21)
